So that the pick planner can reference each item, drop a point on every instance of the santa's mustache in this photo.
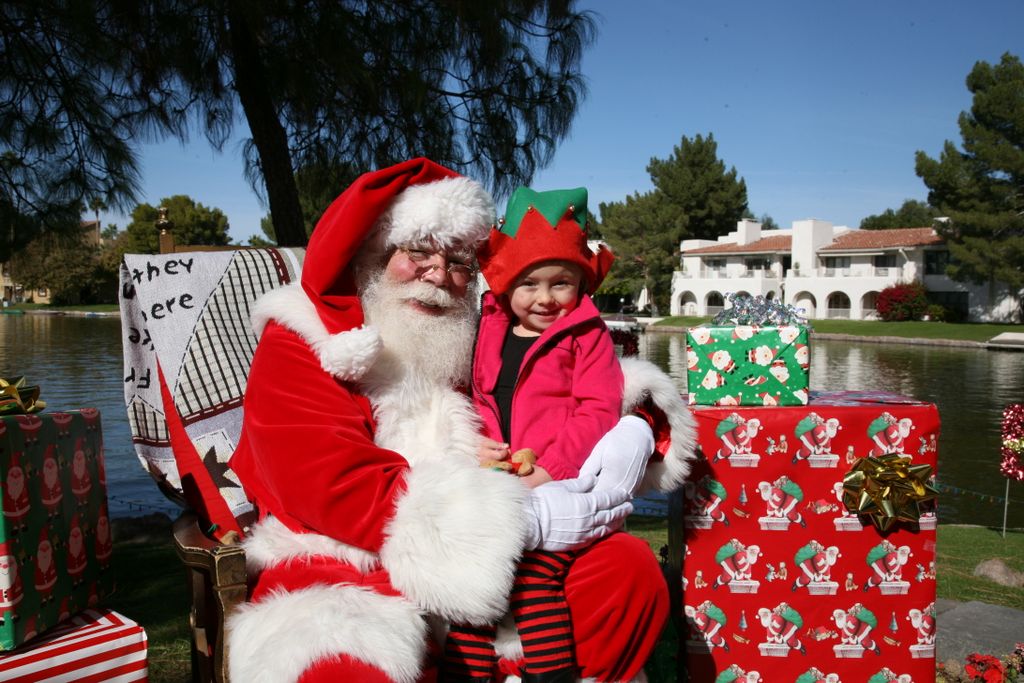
(428, 294)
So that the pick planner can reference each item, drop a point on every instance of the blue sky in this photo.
(819, 105)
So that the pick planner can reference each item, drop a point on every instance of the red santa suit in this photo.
(374, 512)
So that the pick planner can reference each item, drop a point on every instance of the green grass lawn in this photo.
(980, 332)
(152, 591)
(961, 548)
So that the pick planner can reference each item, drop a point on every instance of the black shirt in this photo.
(513, 350)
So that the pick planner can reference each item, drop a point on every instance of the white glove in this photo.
(565, 515)
(619, 459)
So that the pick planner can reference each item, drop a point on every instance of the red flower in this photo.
(985, 668)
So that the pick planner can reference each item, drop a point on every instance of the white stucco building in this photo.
(829, 271)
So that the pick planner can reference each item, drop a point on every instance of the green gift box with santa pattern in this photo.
(55, 541)
(748, 365)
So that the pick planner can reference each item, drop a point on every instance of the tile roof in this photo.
(883, 239)
(775, 243)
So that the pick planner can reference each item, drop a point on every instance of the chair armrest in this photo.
(217, 581)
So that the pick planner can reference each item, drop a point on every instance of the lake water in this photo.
(77, 361)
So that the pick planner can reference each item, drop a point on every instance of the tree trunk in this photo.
(267, 132)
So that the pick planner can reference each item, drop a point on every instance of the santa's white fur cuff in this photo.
(454, 542)
(281, 636)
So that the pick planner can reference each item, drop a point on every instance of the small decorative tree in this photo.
(902, 301)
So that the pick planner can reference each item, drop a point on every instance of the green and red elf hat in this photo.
(539, 227)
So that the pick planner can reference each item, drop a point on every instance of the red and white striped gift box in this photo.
(96, 645)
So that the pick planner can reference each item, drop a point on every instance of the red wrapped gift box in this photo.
(96, 645)
(779, 578)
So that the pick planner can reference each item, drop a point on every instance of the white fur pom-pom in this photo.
(348, 355)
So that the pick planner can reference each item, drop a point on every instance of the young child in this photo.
(546, 381)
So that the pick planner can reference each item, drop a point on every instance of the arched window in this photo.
(688, 304)
(807, 302)
(838, 305)
(868, 302)
(715, 303)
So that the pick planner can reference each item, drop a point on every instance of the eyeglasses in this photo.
(461, 274)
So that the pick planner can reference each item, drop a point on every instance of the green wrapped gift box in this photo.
(55, 542)
(748, 365)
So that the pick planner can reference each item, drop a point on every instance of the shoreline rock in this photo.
(996, 570)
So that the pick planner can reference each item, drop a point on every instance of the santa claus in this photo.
(81, 482)
(887, 562)
(815, 563)
(50, 491)
(104, 542)
(46, 568)
(706, 622)
(815, 435)
(376, 520)
(889, 434)
(782, 497)
(15, 494)
(76, 552)
(10, 582)
(782, 628)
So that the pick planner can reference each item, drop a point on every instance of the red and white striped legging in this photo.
(542, 618)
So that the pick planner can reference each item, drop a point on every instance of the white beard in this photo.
(424, 357)
(436, 348)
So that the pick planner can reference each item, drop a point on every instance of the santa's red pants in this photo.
(619, 603)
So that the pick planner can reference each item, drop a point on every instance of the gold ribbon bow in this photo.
(887, 489)
(16, 398)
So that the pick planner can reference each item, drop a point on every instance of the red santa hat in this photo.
(414, 201)
(5, 549)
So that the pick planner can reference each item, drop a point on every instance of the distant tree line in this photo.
(77, 270)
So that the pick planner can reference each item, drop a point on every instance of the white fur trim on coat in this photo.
(347, 355)
(452, 211)
(645, 380)
(278, 638)
(270, 543)
(455, 540)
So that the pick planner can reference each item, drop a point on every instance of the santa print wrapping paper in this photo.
(55, 541)
(96, 645)
(781, 583)
(747, 365)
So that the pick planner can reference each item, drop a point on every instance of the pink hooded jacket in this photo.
(569, 390)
